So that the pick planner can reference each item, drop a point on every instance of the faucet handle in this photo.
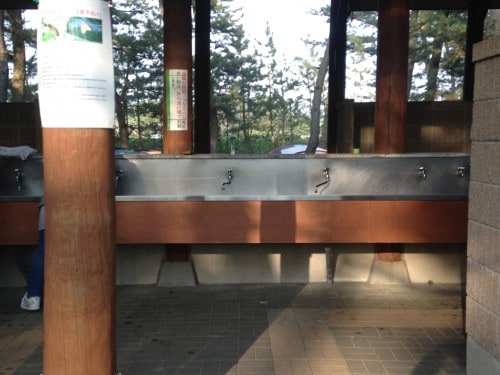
(422, 171)
(19, 178)
(326, 172)
(461, 171)
(229, 176)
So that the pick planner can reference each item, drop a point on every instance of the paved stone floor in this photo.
(301, 329)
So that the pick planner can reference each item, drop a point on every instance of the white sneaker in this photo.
(30, 303)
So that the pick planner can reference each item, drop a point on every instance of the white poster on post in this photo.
(177, 99)
(75, 64)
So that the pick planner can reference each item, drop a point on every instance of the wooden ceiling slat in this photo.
(355, 5)
(366, 5)
(18, 4)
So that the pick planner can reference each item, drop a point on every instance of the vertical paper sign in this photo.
(177, 99)
(75, 64)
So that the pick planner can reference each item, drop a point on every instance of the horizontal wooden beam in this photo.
(292, 222)
(18, 223)
(18, 4)
(371, 5)
(266, 222)
(354, 5)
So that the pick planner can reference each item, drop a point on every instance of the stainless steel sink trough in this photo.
(244, 178)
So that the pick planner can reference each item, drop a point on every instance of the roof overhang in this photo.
(355, 5)
(18, 4)
(366, 5)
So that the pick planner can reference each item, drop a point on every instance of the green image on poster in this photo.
(85, 29)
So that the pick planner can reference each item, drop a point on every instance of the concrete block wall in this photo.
(483, 247)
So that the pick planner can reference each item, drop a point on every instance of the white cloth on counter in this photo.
(21, 152)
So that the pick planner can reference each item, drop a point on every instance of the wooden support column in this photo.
(178, 135)
(477, 11)
(202, 78)
(337, 76)
(79, 295)
(18, 4)
(392, 71)
(391, 91)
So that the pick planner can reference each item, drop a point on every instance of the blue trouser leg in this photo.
(35, 281)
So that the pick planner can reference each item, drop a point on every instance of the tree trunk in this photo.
(19, 56)
(214, 130)
(495, 13)
(412, 47)
(316, 103)
(4, 66)
(432, 71)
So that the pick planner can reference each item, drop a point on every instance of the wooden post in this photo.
(391, 86)
(392, 71)
(79, 295)
(202, 78)
(475, 29)
(337, 59)
(178, 129)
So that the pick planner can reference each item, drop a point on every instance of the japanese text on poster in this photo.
(177, 99)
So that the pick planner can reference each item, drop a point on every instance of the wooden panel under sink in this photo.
(370, 221)
(352, 221)
(18, 223)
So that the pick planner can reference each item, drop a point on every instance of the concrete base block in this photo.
(354, 262)
(389, 273)
(138, 264)
(442, 263)
(10, 273)
(176, 274)
(273, 263)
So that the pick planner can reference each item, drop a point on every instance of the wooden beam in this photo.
(18, 4)
(19, 223)
(202, 78)
(337, 77)
(178, 56)
(370, 5)
(79, 292)
(391, 79)
(292, 222)
(475, 30)
(391, 88)
(262, 221)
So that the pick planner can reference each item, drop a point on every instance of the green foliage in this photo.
(255, 96)
(259, 101)
(438, 54)
(138, 59)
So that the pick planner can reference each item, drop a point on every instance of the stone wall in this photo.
(483, 248)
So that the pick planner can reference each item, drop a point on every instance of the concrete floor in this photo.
(301, 329)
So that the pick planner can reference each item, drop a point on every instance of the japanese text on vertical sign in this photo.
(177, 99)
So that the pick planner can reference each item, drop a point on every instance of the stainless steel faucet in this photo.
(19, 178)
(118, 175)
(423, 172)
(326, 173)
(229, 175)
(461, 171)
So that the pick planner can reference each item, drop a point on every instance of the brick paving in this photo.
(275, 329)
